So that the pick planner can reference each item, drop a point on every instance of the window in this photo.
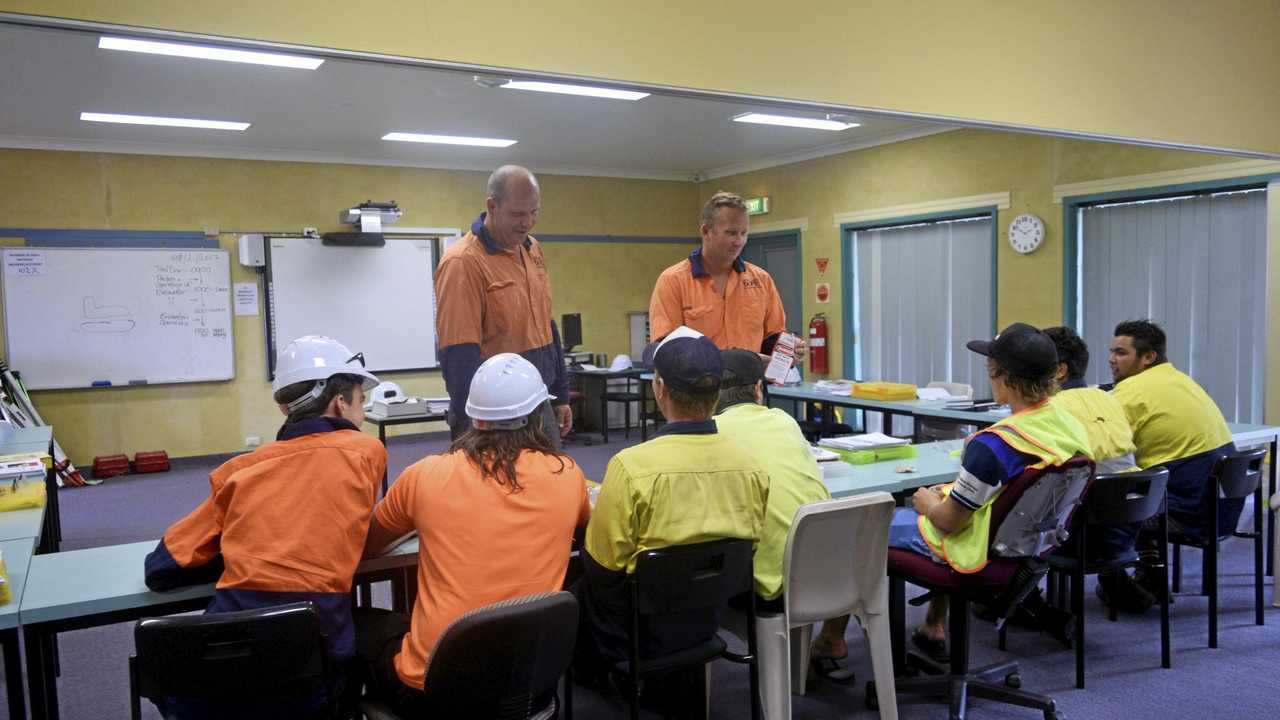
(920, 292)
(1195, 264)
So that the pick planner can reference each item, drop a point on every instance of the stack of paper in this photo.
(835, 387)
(22, 465)
(437, 405)
(938, 394)
(822, 455)
(863, 442)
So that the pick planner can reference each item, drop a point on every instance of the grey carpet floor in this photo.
(1125, 680)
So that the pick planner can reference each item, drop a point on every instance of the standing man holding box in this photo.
(493, 295)
(716, 292)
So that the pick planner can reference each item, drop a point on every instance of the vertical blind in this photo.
(920, 293)
(1197, 266)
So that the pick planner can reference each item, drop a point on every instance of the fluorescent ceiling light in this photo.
(449, 139)
(206, 52)
(566, 89)
(811, 123)
(165, 121)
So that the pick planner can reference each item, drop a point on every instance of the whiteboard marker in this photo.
(137, 382)
(101, 383)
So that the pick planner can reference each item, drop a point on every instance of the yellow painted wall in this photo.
(1175, 70)
(938, 167)
(93, 190)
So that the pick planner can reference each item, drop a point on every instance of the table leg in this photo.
(1271, 513)
(382, 436)
(604, 411)
(13, 673)
(41, 683)
(644, 410)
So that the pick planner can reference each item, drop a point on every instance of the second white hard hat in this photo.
(505, 387)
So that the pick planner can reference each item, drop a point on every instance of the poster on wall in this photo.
(822, 292)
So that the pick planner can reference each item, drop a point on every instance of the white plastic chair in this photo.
(834, 565)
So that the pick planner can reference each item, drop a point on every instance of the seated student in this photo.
(1111, 440)
(688, 484)
(287, 521)
(951, 523)
(495, 517)
(773, 437)
(1175, 424)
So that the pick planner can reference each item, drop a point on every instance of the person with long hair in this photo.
(495, 516)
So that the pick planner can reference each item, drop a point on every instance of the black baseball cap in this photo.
(684, 358)
(740, 367)
(1022, 350)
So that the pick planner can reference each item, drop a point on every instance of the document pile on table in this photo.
(928, 393)
(862, 442)
(834, 387)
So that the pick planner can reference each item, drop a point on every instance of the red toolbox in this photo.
(105, 466)
(149, 462)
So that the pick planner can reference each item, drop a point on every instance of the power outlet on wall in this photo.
(252, 441)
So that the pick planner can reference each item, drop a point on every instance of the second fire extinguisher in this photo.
(818, 344)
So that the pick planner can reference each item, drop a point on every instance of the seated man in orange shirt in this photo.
(495, 517)
(286, 522)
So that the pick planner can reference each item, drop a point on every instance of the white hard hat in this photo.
(505, 387)
(317, 358)
(386, 390)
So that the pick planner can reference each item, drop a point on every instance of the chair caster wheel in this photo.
(870, 699)
(1014, 680)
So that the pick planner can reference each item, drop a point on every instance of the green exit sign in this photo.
(757, 205)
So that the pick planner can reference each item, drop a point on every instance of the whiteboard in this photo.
(379, 301)
(85, 317)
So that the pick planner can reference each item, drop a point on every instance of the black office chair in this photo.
(262, 663)
(1112, 499)
(688, 587)
(499, 662)
(994, 591)
(625, 395)
(1235, 476)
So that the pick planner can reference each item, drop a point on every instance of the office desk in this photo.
(101, 586)
(38, 440)
(17, 556)
(808, 392)
(933, 464)
(603, 376)
(382, 421)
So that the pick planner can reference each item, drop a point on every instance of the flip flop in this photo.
(935, 650)
(828, 668)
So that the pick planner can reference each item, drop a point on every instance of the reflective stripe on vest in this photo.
(1044, 431)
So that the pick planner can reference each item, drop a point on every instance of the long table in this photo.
(808, 392)
(933, 464)
(81, 589)
(17, 556)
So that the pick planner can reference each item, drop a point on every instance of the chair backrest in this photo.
(497, 660)
(835, 556)
(958, 389)
(692, 577)
(1238, 473)
(235, 656)
(1030, 518)
(1119, 498)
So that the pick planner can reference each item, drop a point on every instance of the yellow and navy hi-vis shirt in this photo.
(1104, 421)
(1171, 415)
(774, 439)
(688, 485)
(288, 522)
(749, 315)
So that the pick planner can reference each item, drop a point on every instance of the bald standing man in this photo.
(493, 295)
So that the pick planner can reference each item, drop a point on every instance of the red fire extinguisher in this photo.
(818, 344)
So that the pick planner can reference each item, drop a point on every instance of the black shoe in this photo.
(1149, 580)
(1121, 592)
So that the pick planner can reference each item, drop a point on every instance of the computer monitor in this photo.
(570, 331)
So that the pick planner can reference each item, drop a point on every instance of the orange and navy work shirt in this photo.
(748, 316)
(480, 543)
(489, 301)
(283, 523)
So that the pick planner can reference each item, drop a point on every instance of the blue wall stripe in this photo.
(45, 237)
(619, 239)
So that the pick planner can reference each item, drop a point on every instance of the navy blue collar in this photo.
(1075, 384)
(312, 425)
(699, 270)
(479, 230)
(688, 427)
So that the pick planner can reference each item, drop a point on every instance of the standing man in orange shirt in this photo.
(493, 295)
(716, 292)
